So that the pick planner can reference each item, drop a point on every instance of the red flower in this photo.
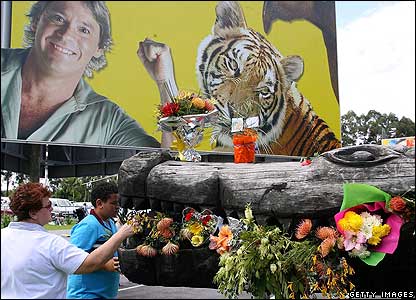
(188, 216)
(306, 162)
(398, 204)
(169, 109)
(205, 219)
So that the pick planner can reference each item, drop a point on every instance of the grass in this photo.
(58, 227)
(5, 220)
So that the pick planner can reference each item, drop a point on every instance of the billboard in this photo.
(408, 141)
(294, 83)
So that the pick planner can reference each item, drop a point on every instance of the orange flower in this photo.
(326, 246)
(398, 204)
(320, 268)
(220, 242)
(170, 248)
(164, 224)
(146, 250)
(198, 103)
(303, 229)
(325, 232)
(167, 233)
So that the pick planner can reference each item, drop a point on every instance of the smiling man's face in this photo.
(67, 37)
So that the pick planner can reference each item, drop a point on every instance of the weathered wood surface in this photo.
(280, 189)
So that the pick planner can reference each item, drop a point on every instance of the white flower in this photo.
(248, 213)
(369, 221)
(273, 268)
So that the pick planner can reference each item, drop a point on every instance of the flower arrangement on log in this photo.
(266, 261)
(161, 235)
(197, 227)
(186, 116)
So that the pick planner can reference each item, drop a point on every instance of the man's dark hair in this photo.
(102, 191)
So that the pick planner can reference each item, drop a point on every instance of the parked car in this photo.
(63, 207)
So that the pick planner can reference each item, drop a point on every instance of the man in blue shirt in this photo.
(91, 233)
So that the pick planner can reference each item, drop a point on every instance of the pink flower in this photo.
(352, 241)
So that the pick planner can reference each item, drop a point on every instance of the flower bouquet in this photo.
(197, 227)
(326, 270)
(158, 232)
(261, 260)
(186, 116)
(370, 221)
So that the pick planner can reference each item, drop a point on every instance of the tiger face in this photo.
(248, 76)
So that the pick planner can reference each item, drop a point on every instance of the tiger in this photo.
(237, 65)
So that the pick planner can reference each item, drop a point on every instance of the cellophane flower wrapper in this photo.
(363, 197)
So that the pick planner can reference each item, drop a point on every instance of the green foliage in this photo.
(76, 189)
(266, 263)
(6, 219)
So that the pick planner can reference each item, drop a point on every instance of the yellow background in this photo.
(183, 25)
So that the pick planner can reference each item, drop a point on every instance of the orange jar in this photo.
(244, 147)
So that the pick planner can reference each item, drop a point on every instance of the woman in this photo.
(36, 263)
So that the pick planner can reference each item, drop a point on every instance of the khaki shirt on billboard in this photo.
(86, 118)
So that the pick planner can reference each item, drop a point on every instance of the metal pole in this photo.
(6, 18)
(46, 166)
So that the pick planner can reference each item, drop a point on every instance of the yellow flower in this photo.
(184, 94)
(378, 232)
(195, 228)
(197, 240)
(351, 222)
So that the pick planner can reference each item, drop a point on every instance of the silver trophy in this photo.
(188, 131)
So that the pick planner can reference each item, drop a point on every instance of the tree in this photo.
(76, 189)
(12, 179)
(372, 127)
(7, 175)
(405, 127)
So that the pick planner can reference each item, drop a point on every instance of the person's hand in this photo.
(113, 265)
(157, 60)
(126, 230)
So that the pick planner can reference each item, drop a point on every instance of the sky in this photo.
(376, 56)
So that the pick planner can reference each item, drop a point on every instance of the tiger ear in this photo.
(293, 66)
(230, 18)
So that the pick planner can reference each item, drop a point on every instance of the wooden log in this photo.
(283, 189)
(132, 177)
